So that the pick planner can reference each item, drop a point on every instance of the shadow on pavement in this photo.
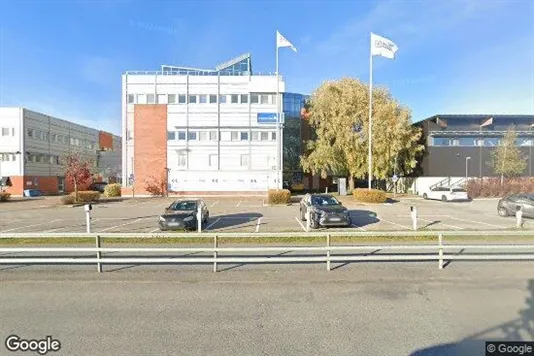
(519, 329)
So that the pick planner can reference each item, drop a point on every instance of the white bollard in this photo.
(199, 219)
(414, 217)
(88, 208)
(519, 217)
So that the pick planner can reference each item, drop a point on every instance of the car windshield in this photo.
(183, 205)
(324, 200)
(460, 190)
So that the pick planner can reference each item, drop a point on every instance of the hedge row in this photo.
(112, 190)
(282, 196)
(4, 196)
(492, 187)
(86, 196)
(369, 196)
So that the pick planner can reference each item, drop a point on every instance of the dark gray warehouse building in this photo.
(450, 139)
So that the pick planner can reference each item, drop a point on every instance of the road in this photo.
(360, 309)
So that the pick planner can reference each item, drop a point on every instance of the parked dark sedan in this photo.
(98, 187)
(182, 214)
(508, 205)
(323, 210)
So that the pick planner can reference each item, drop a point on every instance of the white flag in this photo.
(281, 41)
(381, 46)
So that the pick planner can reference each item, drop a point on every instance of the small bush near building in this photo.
(282, 196)
(369, 196)
(67, 200)
(112, 190)
(4, 196)
(87, 196)
(492, 187)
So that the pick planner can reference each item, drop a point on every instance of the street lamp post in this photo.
(466, 168)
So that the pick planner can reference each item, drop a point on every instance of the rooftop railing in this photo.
(208, 74)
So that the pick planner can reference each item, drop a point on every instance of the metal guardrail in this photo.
(322, 253)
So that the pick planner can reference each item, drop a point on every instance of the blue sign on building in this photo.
(267, 118)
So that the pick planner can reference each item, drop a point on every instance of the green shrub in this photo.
(86, 196)
(112, 190)
(67, 200)
(282, 196)
(369, 196)
(4, 196)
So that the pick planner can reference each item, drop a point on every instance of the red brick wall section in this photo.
(17, 185)
(150, 150)
(105, 141)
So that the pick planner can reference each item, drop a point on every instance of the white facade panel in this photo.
(222, 181)
(11, 142)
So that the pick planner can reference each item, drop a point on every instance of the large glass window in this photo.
(441, 141)
(203, 99)
(203, 135)
(213, 99)
(235, 136)
(172, 99)
(234, 98)
(255, 136)
(254, 98)
(244, 98)
(192, 99)
(244, 136)
(171, 135)
(264, 136)
(181, 99)
(213, 135)
(181, 136)
(150, 98)
(523, 141)
(141, 98)
(264, 98)
(466, 141)
(492, 141)
(131, 98)
(162, 99)
(222, 99)
(192, 136)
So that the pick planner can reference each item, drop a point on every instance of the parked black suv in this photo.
(323, 210)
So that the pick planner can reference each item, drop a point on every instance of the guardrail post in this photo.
(215, 245)
(440, 251)
(98, 255)
(328, 252)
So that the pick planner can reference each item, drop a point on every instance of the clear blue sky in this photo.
(65, 58)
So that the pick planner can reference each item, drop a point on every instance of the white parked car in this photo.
(446, 194)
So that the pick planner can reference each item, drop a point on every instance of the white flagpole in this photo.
(370, 114)
(278, 154)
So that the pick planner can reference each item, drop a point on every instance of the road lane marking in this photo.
(24, 227)
(478, 222)
(258, 225)
(154, 230)
(300, 223)
(439, 222)
(359, 227)
(237, 206)
(212, 205)
(213, 223)
(116, 226)
(67, 227)
(393, 223)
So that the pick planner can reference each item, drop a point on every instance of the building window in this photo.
(171, 99)
(203, 136)
(441, 141)
(30, 132)
(234, 98)
(182, 159)
(244, 160)
(493, 141)
(141, 99)
(213, 160)
(162, 99)
(131, 99)
(264, 136)
(255, 136)
(264, 99)
(181, 136)
(273, 135)
(192, 99)
(235, 135)
(222, 99)
(254, 98)
(171, 135)
(523, 141)
(213, 99)
(53, 138)
(203, 99)
(5, 131)
(181, 99)
(466, 141)
(226, 136)
(244, 136)
(244, 98)
(213, 135)
(192, 136)
(151, 99)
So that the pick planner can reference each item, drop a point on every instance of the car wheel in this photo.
(502, 211)
(314, 224)
(425, 196)
(302, 215)
(443, 198)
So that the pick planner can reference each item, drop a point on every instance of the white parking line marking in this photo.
(391, 222)
(454, 227)
(258, 225)
(212, 205)
(300, 223)
(359, 227)
(478, 222)
(151, 231)
(116, 226)
(213, 223)
(238, 203)
(67, 227)
(23, 227)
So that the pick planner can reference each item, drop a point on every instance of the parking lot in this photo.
(253, 216)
